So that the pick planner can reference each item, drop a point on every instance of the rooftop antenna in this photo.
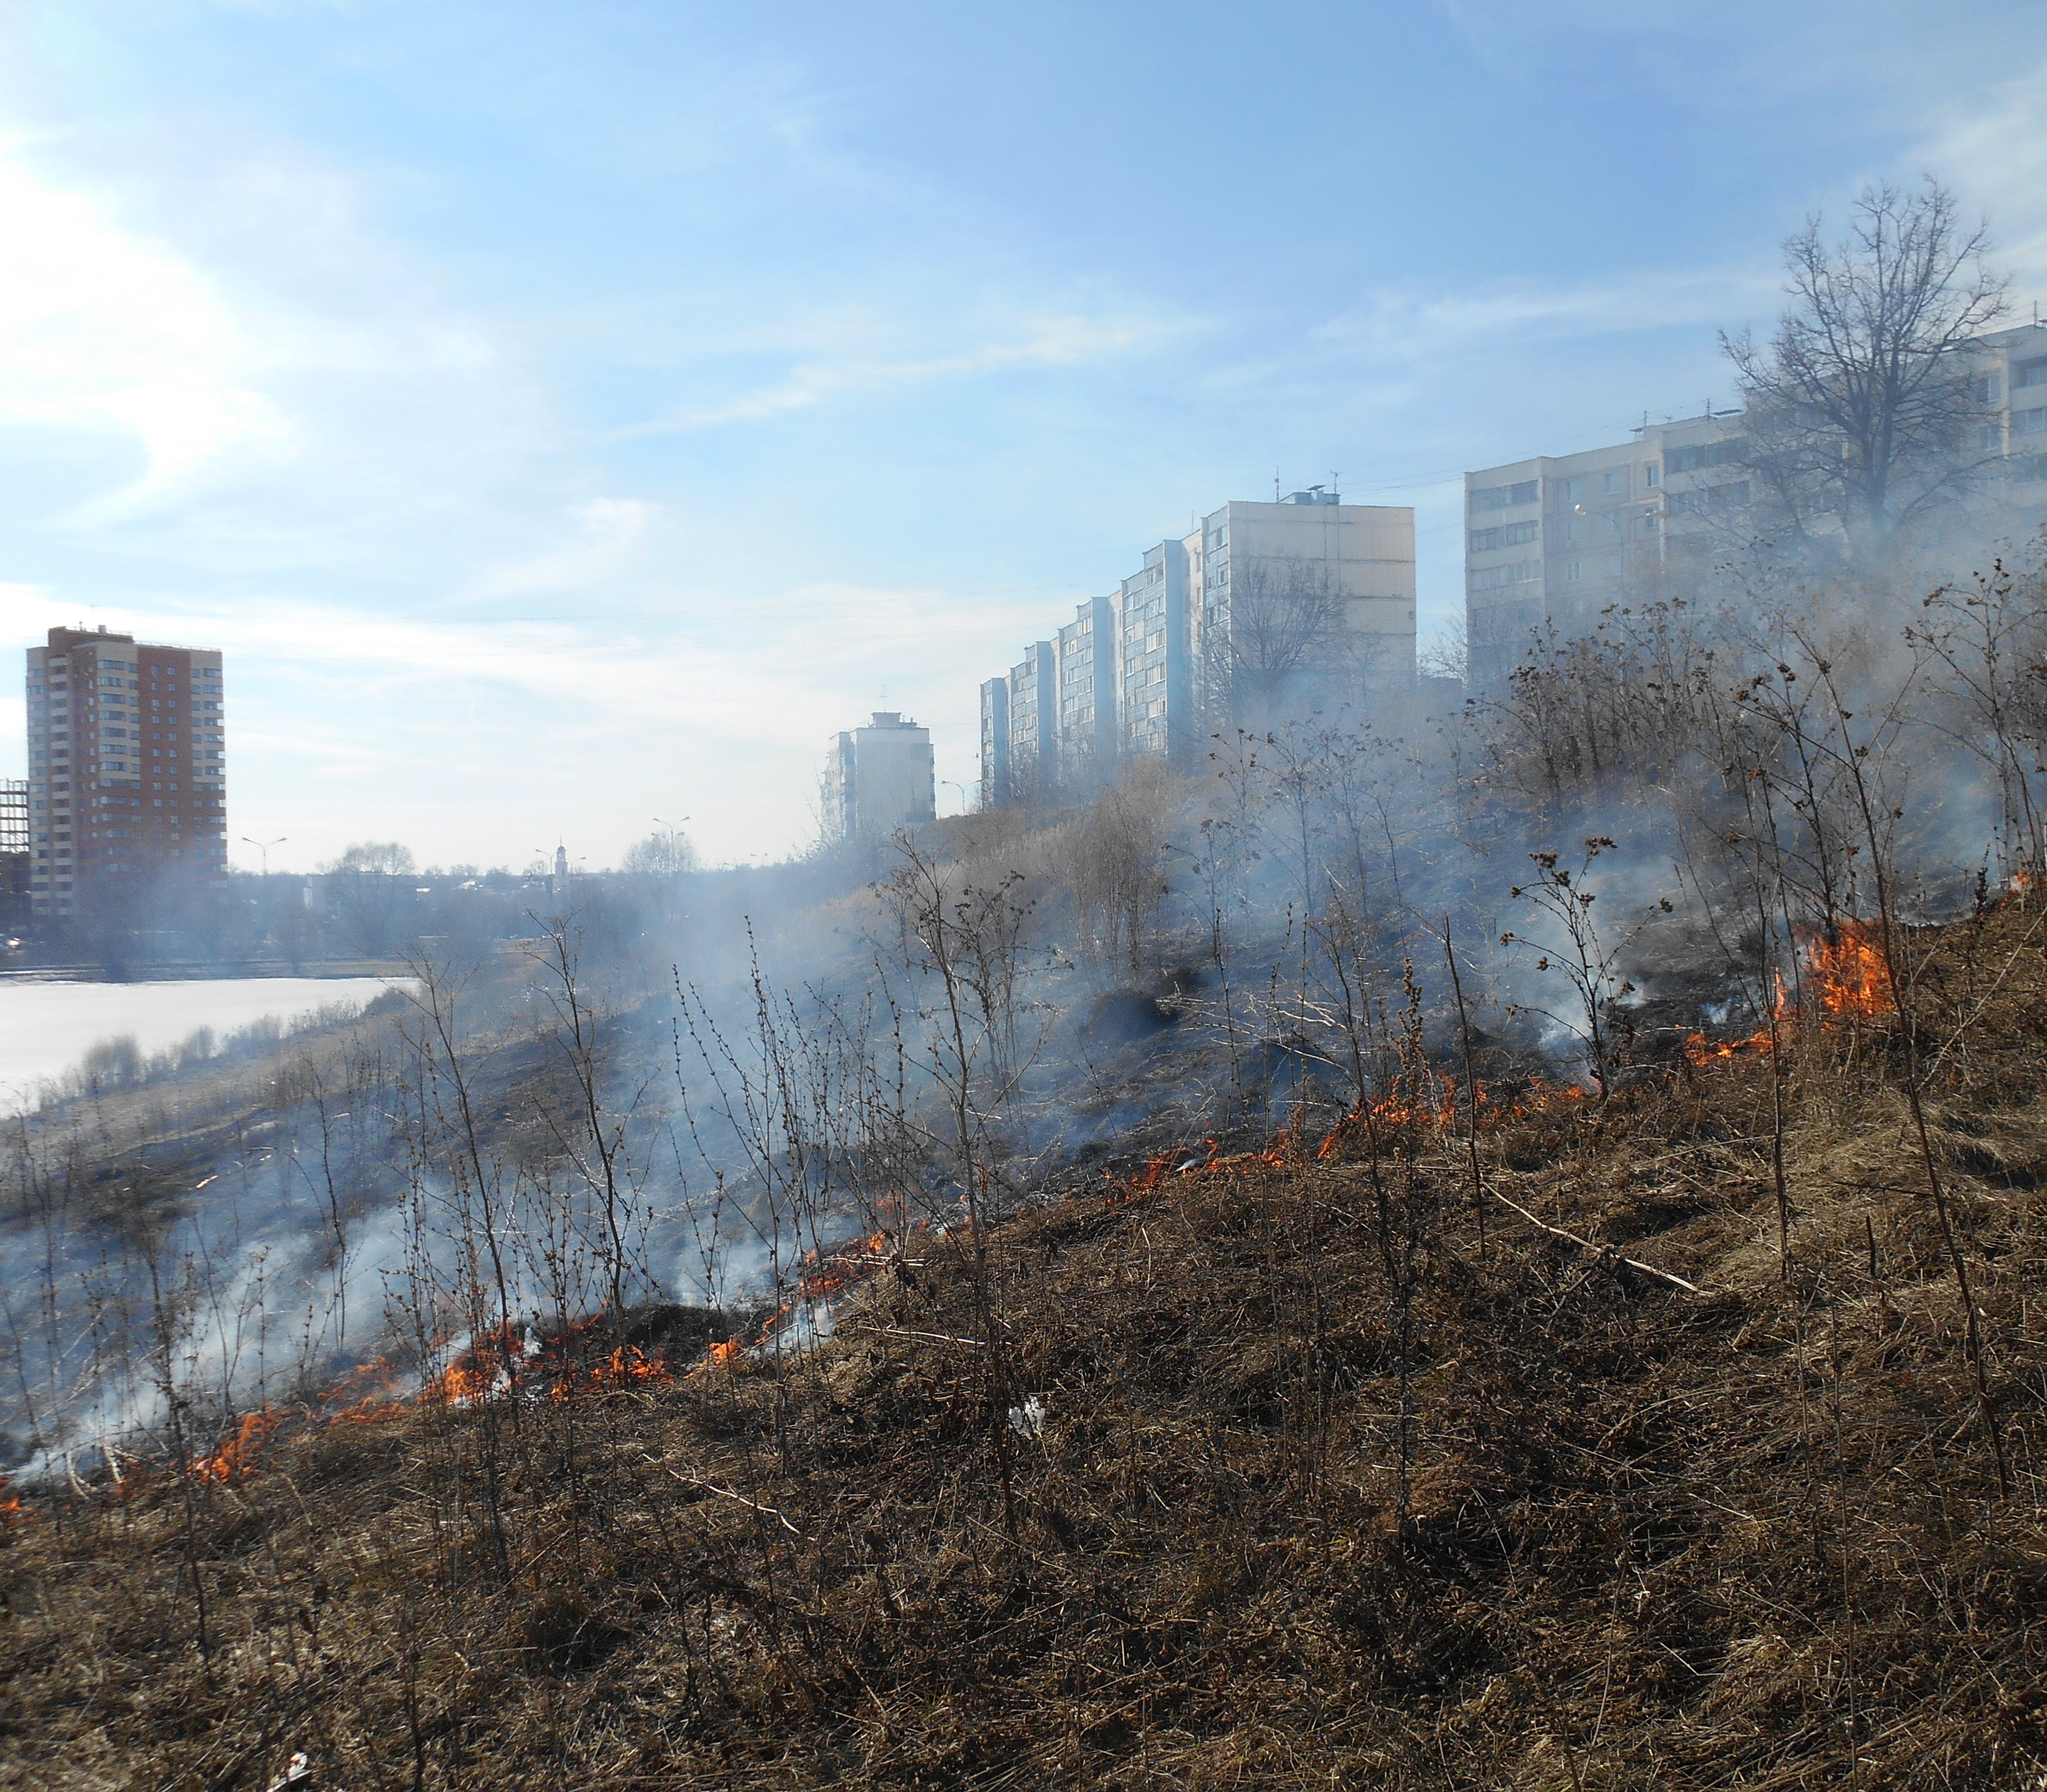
(1334, 492)
(1275, 484)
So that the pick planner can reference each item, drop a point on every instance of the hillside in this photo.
(1316, 1465)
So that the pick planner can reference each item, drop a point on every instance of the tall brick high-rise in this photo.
(127, 775)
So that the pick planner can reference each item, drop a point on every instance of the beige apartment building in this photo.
(1260, 573)
(127, 771)
(879, 778)
(1554, 540)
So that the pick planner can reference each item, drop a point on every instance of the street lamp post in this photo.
(264, 847)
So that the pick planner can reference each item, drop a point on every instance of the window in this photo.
(2030, 423)
(1730, 452)
(1649, 522)
(1505, 535)
(1573, 571)
(1990, 437)
(1493, 578)
(1713, 501)
(1986, 389)
(1573, 490)
(1617, 481)
(1502, 498)
(2030, 373)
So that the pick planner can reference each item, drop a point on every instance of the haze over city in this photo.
(561, 421)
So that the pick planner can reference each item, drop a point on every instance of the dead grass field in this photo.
(1323, 1492)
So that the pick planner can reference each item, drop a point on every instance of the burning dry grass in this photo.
(1315, 1490)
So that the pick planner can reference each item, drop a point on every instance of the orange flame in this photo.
(239, 1457)
(848, 1265)
(626, 1366)
(1701, 1051)
(1848, 974)
(11, 1509)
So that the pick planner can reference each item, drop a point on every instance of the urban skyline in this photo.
(1554, 538)
(1245, 598)
(661, 390)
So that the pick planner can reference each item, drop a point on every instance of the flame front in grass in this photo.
(831, 1276)
(627, 1366)
(1847, 973)
(239, 1457)
(1700, 1050)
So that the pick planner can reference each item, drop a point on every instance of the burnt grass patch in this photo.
(1271, 1472)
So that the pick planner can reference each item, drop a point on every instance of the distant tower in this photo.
(561, 883)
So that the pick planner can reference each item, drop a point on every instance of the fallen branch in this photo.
(1606, 1251)
(726, 1493)
(933, 1337)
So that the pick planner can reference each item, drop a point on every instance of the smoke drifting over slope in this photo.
(1644, 839)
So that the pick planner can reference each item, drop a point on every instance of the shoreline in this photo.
(208, 971)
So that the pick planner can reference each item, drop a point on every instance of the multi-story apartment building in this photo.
(1034, 720)
(1553, 540)
(1086, 655)
(14, 860)
(1557, 538)
(1155, 688)
(2009, 370)
(879, 778)
(127, 771)
(1259, 610)
(994, 744)
(1307, 595)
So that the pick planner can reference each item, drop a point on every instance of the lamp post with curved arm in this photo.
(264, 847)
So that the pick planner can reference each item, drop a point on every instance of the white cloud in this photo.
(104, 330)
(613, 531)
(1048, 342)
(1992, 151)
(1407, 324)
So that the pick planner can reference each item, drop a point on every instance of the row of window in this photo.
(1711, 501)
(1505, 535)
(1494, 579)
(1504, 497)
(1732, 452)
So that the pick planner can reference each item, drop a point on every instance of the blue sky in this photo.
(564, 417)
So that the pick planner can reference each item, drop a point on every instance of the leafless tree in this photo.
(660, 862)
(1447, 652)
(381, 858)
(665, 853)
(365, 885)
(1116, 870)
(1288, 619)
(1859, 414)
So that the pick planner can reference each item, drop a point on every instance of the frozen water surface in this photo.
(47, 1027)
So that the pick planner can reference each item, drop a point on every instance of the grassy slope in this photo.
(1542, 1522)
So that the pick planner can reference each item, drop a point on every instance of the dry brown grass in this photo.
(1566, 1527)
